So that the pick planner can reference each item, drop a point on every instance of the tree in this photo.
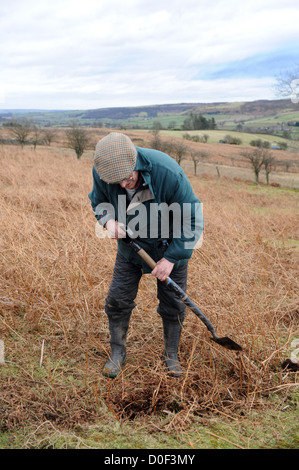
(171, 125)
(36, 134)
(257, 159)
(283, 145)
(156, 140)
(21, 131)
(48, 136)
(286, 134)
(197, 157)
(233, 140)
(179, 149)
(77, 139)
(287, 164)
(260, 143)
(157, 125)
(198, 122)
(287, 84)
(269, 164)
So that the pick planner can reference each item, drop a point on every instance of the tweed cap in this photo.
(115, 157)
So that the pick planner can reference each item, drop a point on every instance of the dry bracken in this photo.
(55, 275)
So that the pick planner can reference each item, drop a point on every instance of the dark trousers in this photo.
(124, 287)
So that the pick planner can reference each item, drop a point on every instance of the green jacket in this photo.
(163, 182)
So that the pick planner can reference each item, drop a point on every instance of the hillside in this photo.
(214, 157)
(55, 275)
(166, 113)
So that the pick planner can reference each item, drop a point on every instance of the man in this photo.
(126, 180)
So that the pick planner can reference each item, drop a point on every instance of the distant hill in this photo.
(144, 115)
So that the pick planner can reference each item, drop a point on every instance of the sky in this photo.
(89, 54)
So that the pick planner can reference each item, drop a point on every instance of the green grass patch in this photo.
(273, 191)
(216, 135)
(266, 428)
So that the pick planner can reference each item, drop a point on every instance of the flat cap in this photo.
(115, 157)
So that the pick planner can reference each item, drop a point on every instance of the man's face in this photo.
(130, 182)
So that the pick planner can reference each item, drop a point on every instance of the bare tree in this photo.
(197, 157)
(21, 131)
(167, 147)
(156, 140)
(48, 136)
(257, 159)
(269, 165)
(179, 149)
(159, 143)
(287, 164)
(287, 84)
(36, 136)
(77, 139)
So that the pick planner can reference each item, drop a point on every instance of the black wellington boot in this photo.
(172, 333)
(118, 335)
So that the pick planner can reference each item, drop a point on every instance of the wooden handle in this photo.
(143, 254)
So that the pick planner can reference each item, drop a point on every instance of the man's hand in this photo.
(114, 229)
(162, 269)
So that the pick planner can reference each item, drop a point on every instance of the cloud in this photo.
(111, 53)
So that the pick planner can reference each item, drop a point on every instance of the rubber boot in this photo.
(172, 333)
(118, 335)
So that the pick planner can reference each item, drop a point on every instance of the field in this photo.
(55, 274)
(224, 159)
(216, 135)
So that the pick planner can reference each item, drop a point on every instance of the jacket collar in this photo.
(142, 162)
(144, 165)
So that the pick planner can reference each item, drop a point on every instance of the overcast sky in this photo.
(86, 54)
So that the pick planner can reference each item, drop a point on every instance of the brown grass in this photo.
(55, 275)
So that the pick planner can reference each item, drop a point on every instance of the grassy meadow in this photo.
(55, 275)
(216, 135)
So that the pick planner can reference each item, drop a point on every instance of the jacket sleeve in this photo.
(188, 230)
(99, 202)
